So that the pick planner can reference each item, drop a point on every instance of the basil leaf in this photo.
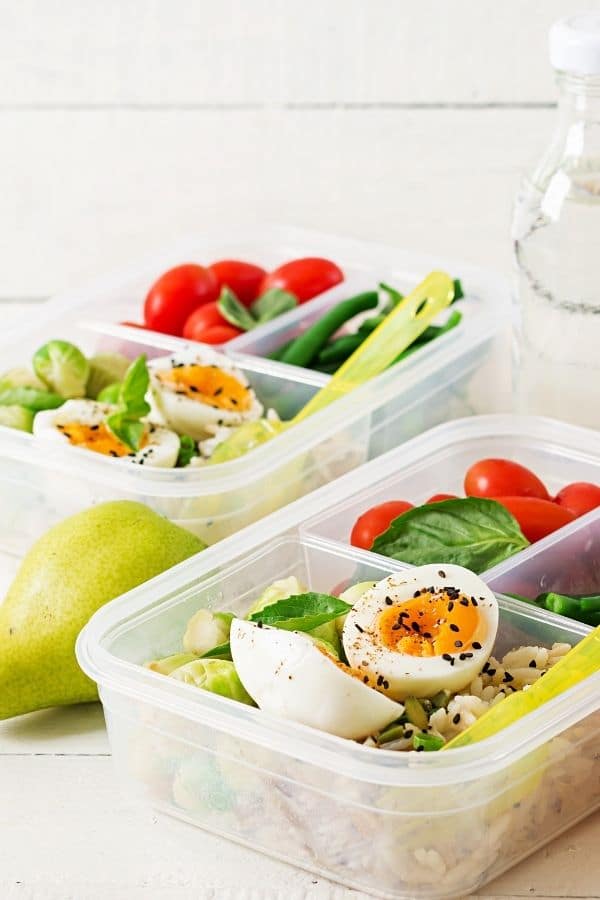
(30, 397)
(125, 422)
(302, 612)
(474, 532)
(223, 651)
(273, 303)
(187, 450)
(235, 312)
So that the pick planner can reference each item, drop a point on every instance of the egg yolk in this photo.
(431, 624)
(97, 438)
(208, 384)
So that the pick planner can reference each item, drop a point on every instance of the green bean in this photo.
(307, 346)
(340, 349)
(279, 351)
(431, 333)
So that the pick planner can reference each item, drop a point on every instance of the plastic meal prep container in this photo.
(436, 461)
(429, 825)
(39, 486)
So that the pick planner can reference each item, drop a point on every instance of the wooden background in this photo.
(124, 124)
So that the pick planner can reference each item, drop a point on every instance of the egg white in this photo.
(161, 449)
(288, 676)
(403, 674)
(190, 416)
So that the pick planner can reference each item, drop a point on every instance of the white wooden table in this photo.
(125, 124)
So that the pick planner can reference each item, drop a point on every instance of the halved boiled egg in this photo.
(288, 675)
(422, 631)
(194, 391)
(82, 423)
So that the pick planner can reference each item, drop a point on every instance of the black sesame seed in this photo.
(456, 718)
(397, 626)
(532, 664)
(408, 733)
(474, 601)
(416, 627)
(218, 391)
(508, 677)
(464, 602)
(419, 748)
(447, 657)
(194, 389)
(476, 645)
(427, 635)
(450, 606)
(491, 672)
(454, 627)
(113, 452)
(486, 666)
(366, 679)
(458, 644)
(234, 401)
(389, 601)
(259, 623)
(466, 655)
(417, 594)
(404, 615)
(379, 680)
(451, 660)
(441, 573)
(94, 427)
(386, 684)
(358, 628)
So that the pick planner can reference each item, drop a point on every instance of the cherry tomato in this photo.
(579, 497)
(218, 334)
(437, 498)
(305, 278)
(243, 278)
(536, 517)
(375, 521)
(502, 478)
(174, 297)
(202, 318)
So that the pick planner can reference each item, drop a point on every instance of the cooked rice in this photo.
(516, 671)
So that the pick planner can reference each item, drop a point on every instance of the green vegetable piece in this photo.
(303, 612)
(327, 646)
(394, 295)
(243, 440)
(394, 732)
(308, 345)
(29, 397)
(125, 423)
(235, 312)
(272, 304)
(187, 450)
(215, 675)
(370, 324)
(20, 376)
(18, 417)
(110, 394)
(430, 334)
(279, 590)
(427, 742)
(352, 595)
(458, 290)
(327, 634)
(170, 663)
(415, 712)
(339, 350)
(63, 367)
(472, 532)
(583, 608)
(279, 351)
(105, 369)
(223, 651)
(441, 699)
(206, 630)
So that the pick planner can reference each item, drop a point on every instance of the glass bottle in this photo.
(556, 238)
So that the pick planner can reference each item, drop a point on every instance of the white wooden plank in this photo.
(275, 51)
(83, 192)
(98, 843)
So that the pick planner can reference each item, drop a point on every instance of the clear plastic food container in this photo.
(39, 487)
(430, 825)
(437, 460)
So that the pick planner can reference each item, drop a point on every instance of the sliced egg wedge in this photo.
(82, 423)
(286, 674)
(423, 631)
(193, 391)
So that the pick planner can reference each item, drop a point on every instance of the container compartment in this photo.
(394, 825)
(437, 460)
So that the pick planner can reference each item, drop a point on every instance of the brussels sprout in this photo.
(17, 417)
(105, 369)
(245, 438)
(206, 630)
(199, 785)
(21, 377)
(170, 663)
(328, 634)
(110, 394)
(215, 675)
(331, 649)
(63, 367)
(279, 590)
(352, 595)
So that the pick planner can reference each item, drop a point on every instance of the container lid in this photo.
(574, 44)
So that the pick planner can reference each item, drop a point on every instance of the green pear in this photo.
(69, 573)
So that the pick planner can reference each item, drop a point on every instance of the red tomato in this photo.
(536, 517)
(502, 478)
(243, 278)
(174, 297)
(437, 498)
(218, 334)
(202, 318)
(375, 521)
(579, 497)
(305, 278)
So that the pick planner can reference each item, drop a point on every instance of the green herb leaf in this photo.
(458, 290)
(235, 312)
(273, 303)
(125, 422)
(30, 397)
(223, 651)
(427, 742)
(394, 295)
(187, 450)
(473, 532)
(302, 612)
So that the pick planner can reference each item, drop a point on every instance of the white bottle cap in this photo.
(574, 44)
